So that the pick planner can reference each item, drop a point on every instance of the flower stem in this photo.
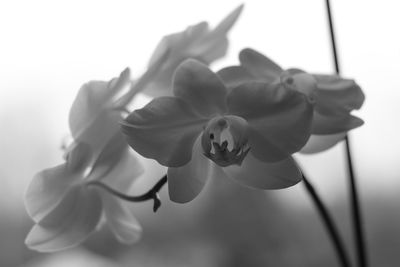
(151, 194)
(357, 218)
(329, 224)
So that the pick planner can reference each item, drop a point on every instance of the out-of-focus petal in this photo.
(277, 117)
(333, 124)
(234, 76)
(318, 143)
(186, 182)
(197, 42)
(120, 219)
(164, 130)
(177, 43)
(91, 119)
(110, 155)
(337, 95)
(215, 43)
(259, 65)
(69, 224)
(122, 173)
(47, 189)
(201, 88)
(265, 175)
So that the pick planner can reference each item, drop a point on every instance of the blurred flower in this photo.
(65, 209)
(334, 97)
(198, 42)
(205, 130)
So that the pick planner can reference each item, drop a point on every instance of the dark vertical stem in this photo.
(329, 224)
(357, 219)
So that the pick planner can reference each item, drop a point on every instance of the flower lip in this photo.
(225, 140)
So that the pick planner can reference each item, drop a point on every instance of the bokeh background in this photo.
(48, 49)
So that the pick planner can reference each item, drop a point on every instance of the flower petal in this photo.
(69, 224)
(259, 65)
(200, 88)
(186, 182)
(177, 43)
(214, 44)
(278, 117)
(318, 143)
(47, 189)
(90, 114)
(119, 172)
(265, 175)
(333, 124)
(164, 130)
(235, 75)
(119, 218)
(337, 95)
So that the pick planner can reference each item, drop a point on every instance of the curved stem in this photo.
(329, 224)
(354, 199)
(151, 194)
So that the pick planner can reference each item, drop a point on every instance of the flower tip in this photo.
(247, 52)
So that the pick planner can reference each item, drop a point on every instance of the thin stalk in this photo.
(329, 224)
(151, 194)
(354, 199)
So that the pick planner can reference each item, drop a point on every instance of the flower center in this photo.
(224, 140)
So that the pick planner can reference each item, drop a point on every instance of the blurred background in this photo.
(48, 49)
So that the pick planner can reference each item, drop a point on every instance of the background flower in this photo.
(59, 200)
(198, 42)
(66, 210)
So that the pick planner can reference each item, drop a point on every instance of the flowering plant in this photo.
(243, 122)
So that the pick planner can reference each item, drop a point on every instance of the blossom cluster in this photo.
(244, 122)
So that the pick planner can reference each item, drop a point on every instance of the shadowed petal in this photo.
(265, 175)
(69, 224)
(164, 130)
(259, 65)
(119, 218)
(337, 95)
(333, 124)
(279, 118)
(318, 143)
(200, 88)
(186, 182)
(234, 76)
(123, 173)
(116, 165)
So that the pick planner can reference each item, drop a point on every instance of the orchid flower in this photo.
(334, 97)
(66, 209)
(60, 201)
(206, 130)
(198, 42)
